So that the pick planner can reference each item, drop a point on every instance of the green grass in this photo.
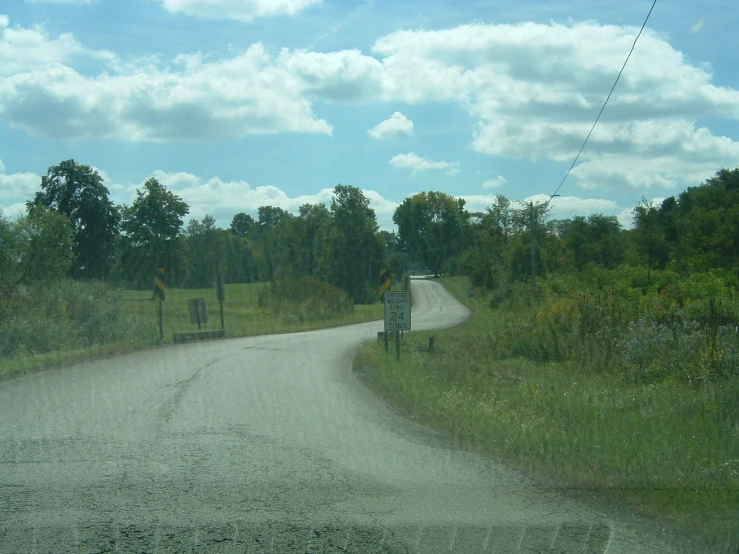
(667, 450)
(242, 317)
(241, 313)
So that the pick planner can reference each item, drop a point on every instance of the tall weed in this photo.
(64, 315)
(685, 332)
(305, 300)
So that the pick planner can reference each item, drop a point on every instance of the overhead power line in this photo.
(604, 104)
(610, 93)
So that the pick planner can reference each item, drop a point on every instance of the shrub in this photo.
(66, 315)
(687, 331)
(305, 300)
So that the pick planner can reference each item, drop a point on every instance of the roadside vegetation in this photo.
(256, 308)
(65, 321)
(77, 271)
(617, 371)
(627, 396)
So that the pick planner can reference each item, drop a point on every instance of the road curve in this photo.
(262, 444)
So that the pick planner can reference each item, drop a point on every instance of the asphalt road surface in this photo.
(263, 444)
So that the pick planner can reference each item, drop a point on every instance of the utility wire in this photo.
(604, 104)
(618, 77)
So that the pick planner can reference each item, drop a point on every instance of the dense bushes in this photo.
(305, 300)
(66, 315)
(687, 331)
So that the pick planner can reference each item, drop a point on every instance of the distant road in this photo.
(262, 444)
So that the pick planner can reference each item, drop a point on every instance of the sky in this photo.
(235, 104)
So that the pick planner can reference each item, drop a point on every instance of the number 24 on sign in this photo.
(396, 313)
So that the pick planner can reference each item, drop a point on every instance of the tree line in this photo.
(696, 231)
(72, 229)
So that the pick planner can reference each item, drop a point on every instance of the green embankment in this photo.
(668, 449)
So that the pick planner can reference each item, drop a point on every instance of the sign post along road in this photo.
(160, 293)
(397, 314)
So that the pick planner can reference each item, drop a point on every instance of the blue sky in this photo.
(235, 104)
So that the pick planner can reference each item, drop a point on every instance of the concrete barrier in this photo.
(189, 336)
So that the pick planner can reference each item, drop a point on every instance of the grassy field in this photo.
(241, 313)
(665, 449)
(242, 317)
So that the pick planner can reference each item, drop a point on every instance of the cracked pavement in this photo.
(263, 444)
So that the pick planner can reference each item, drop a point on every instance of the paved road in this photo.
(263, 444)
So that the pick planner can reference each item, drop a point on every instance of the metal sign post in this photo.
(221, 294)
(160, 292)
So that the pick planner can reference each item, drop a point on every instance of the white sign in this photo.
(398, 310)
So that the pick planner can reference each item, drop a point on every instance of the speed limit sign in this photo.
(398, 310)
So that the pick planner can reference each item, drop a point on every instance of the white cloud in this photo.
(416, 163)
(537, 88)
(562, 207)
(533, 88)
(344, 76)
(242, 10)
(678, 153)
(625, 218)
(223, 199)
(381, 205)
(499, 181)
(18, 185)
(145, 100)
(397, 125)
(14, 210)
(15, 190)
(22, 50)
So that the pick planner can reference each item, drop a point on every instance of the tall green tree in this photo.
(78, 192)
(35, 247)
(269, 217)
(597, 239)
(241, 266)
(207, 252)
(312, 224)
(706, 223)
(648, 235)
(546, 253)
(275, 243)
(241, 223)
(150, 228)
(354, 251)
(432, 226)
